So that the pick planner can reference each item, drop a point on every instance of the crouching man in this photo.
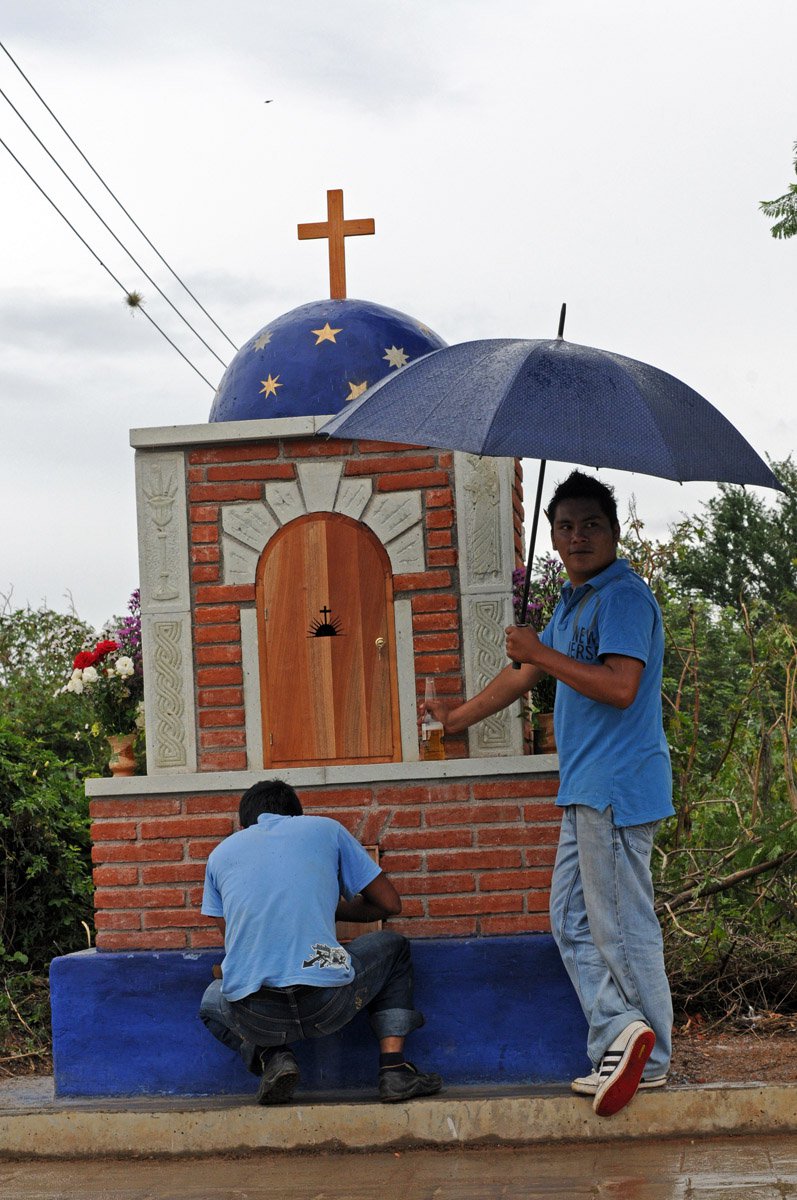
(275, 891)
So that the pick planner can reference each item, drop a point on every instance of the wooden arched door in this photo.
(326, 640)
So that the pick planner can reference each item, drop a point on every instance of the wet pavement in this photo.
(739, 1168)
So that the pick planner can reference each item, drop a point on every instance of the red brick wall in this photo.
(470, 857)
(224, 474)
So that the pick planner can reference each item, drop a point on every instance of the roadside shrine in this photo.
(296, 594)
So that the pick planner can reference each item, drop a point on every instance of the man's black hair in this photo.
(579, 486)
(269, 796)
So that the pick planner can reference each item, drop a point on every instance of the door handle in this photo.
(380, 644)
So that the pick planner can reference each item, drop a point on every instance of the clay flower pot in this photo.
(544, 740)
(122, 761)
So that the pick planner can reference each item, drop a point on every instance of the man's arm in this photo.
(376, 902)
(222, 925)
(613, 680)
(506, 687)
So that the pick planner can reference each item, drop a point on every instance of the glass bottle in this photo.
(431, 729)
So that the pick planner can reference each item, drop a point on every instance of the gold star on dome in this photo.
(396, 358)
(425, 329)
(357, 389)
(270, 386)
(325, 335)
(262, 340)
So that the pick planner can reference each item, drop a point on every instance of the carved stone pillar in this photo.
(165, 611)
(486, 559)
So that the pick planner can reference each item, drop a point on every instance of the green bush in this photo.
(37, 647)
(726, 874)
(45, 854)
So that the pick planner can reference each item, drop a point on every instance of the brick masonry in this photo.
(470, 857)
(227, 473)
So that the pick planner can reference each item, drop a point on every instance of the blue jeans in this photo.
(276, 1016)
(607, 932)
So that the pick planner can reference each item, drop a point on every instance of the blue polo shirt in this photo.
(611, 755)
(277, 885)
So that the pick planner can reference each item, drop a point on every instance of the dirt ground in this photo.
(726, 1055)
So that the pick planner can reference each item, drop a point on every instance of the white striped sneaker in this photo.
(587, 1085)
(621, 1068)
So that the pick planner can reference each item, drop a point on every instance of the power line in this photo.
(107, 226)
(103, 265)
(116, 198)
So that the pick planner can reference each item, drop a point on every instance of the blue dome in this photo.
(314, 359)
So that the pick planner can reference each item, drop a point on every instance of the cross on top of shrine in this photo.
(336, 229)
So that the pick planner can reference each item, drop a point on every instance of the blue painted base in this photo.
(498, 1010)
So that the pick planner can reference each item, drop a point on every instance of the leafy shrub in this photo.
(37, 647)
(45, 853)
(727, 864)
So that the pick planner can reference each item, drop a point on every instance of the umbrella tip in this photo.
(562, 321)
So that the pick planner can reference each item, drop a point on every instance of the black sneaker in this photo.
(279, 1078)
(405, 1083)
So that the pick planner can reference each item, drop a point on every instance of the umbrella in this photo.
(554, 399)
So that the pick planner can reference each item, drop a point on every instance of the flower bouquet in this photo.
(110, 679)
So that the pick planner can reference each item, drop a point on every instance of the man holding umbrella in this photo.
(555, 400)
(604, 645)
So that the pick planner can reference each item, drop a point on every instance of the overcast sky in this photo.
(514, 154)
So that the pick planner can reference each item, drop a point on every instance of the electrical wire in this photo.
(103, 222)
(103, 265)
(115, 197)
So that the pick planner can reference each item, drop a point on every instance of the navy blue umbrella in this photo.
(554, 400)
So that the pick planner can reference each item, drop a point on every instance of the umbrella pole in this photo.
(532, 544)
(537, 507)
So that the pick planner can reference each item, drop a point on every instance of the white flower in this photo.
(90, 675)
(75, 683)
(124, 666)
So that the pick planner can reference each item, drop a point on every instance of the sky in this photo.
(514, 155)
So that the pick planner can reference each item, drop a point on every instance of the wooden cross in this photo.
(336, 229)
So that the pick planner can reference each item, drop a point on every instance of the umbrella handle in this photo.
(518, 625)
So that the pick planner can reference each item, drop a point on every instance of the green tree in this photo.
(727, 864)
(783, 210)
(45, 852)
(37, 647)
(740, 546)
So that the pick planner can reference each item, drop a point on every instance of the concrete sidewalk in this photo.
(33, 1124)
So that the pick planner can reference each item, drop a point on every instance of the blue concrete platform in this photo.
(498, 1011)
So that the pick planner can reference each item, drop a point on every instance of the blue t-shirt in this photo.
(609, 755)
(277, 885)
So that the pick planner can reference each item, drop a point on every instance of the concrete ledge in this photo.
(218, 432)
(34, 1125)
(522, 765)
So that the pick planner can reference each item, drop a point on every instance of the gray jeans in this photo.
(608, 935)
(278, 1016)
